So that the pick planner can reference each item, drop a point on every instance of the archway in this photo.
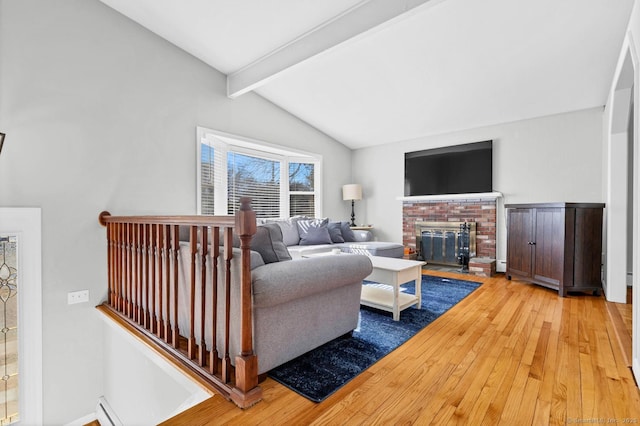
(622, 266)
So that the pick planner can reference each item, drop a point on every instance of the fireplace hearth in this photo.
(446, 243)
(479, 212)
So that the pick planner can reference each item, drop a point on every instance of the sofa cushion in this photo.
(313, 231)
(374, 248)
(347, 233)
(286, 281)
(335, 232)
(268, 242)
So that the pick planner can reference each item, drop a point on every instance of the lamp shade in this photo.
(352, 191)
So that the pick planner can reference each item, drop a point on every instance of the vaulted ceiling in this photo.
(379, 71)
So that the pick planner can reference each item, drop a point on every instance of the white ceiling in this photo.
(442, 66)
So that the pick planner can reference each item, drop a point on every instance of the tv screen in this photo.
(458, 169)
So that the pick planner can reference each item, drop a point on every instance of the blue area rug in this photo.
(320, 372)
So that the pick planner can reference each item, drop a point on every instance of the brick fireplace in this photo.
(480, 211)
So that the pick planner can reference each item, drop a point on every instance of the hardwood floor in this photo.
(510, 353)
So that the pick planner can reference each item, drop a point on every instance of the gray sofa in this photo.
(303, 235)
(298, 305)
(301, 304)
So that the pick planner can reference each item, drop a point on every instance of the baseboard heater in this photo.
(105, 414)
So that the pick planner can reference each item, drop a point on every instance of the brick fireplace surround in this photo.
(483, 212)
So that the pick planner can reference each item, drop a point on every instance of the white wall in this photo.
(550, 159)
(101, 114)
(159, 390)
(634, 41)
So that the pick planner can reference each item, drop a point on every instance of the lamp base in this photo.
(353, 215)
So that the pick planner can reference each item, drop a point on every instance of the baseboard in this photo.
(105, 414)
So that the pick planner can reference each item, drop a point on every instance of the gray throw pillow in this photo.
(335, 232)
(290, 235)
(268, 242)
(313, 231)
(347, 233)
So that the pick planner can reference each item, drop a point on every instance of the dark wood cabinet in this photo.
(557, 245)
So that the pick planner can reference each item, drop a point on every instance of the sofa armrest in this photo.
(362, 235)
(280, 282)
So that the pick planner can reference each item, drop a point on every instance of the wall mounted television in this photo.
(458, 169)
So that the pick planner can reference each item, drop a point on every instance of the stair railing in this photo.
(143, 271)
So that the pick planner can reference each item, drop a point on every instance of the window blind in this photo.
(258, 178)
(279, 184)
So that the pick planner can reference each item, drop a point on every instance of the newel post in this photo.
(246, 391)
(102, 219)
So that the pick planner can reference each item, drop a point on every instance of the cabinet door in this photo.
(519, 238)
(548, 264)
(588, 249)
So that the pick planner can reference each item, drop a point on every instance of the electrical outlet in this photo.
(81, 296)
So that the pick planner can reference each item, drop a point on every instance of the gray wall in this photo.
(554, 158)
(101, 114)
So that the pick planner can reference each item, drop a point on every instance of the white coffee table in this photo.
(394, 272)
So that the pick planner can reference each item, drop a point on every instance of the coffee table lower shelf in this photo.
(382, 298)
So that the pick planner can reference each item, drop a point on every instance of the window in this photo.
(255, 177)
(280, 182)
(9, 332)
(301, 192)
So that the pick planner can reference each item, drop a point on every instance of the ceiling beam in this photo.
(354, 22)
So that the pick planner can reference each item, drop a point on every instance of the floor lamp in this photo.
(352, 191)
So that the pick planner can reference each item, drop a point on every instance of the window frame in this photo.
(223, 143)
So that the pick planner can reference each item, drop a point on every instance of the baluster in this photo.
(123, 265)
(135, 283)
(228, 255)
(140, 254)
(110, 277)
(167, 284)
(129, 271)
(145, 284)
(193, 246)
(176, 251)
(204, 245)
(153, 253)
(215, 245)
(161, 261)
(114, 265)
(121, 275)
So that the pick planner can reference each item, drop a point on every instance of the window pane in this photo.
(257, 178)
(8, 330)
(301, 176)
(206, 178)
(302, 204)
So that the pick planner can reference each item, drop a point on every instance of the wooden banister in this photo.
(144, 269)
(246, 362)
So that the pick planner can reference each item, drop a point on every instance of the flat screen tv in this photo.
(459, 169)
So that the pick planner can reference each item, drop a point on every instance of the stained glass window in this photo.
(8, 330)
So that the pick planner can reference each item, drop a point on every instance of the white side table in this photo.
(392, 271)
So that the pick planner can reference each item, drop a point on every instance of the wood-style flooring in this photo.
(621, 315)
(510, 353)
